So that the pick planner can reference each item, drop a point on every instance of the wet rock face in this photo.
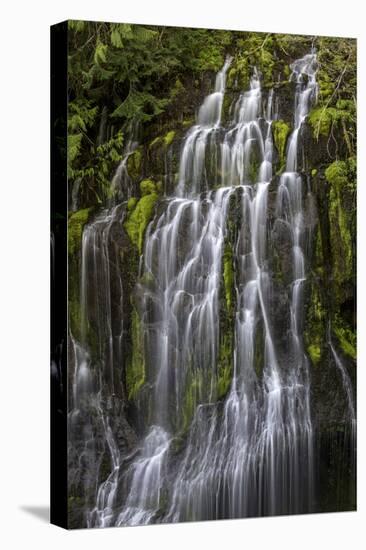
(89, 455)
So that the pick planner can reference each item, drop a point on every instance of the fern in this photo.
(100, 54)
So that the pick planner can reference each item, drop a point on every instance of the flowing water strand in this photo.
(350, 435)
(121, 185)
(192, 161)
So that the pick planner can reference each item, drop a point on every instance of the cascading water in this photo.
(192, 173)
(351, 426)
(94, 387)
(220, 441)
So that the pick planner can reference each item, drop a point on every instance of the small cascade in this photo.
(304, 73)
(347, 384)
(148, 475)
(349, 439)
(200, 137)
(103, 513)
(94, 383)
(121, 186)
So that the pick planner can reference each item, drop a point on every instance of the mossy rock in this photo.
(139, 218)
(147, 187)
(75, 226)
(155, 142)
(346, 338)
(314, 352)
(238, 76)
(281, 131)
(225, 365)
(134, 165)
(228, 273)
(131, 203)
(192, 397)
(316, 323)
(135, 370)
(341, 177)
(168, 138)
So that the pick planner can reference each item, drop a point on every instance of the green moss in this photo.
(320, 120)
(135, 371)
(314, 172)
(314, 351)
(281, 131)
(225, 365)
(336, 173)
(314, 334)
(139, 218)
(228, 276)
(224, 381)
(267, 64)
(134, 164)
(187, 123)
(346, 338)
(147, 187)
(339, 175)
(238, 75)
(155, 142)
(168, 138)
(131, 203)
(74, 310)
(192, 396)
(75, 227)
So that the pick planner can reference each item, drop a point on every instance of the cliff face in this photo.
(118, 191)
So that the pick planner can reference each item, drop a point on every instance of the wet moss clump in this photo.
(147, 187)
(154, 142)
(314, 351)
(239, 74)
(168, 138)
(320, 120)
(131, 203)
(192, 397)
(76, 223)
(225, 366)
(141, 214)
(135, 370)
(346, 338)
(134, 164)
(315, 330)
(228, 276)
(281, 131)
(340, 176)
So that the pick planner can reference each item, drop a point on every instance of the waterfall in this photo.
(220, 439)
(200, 136)
(121, 185)
(94, 384)
(351, 413)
